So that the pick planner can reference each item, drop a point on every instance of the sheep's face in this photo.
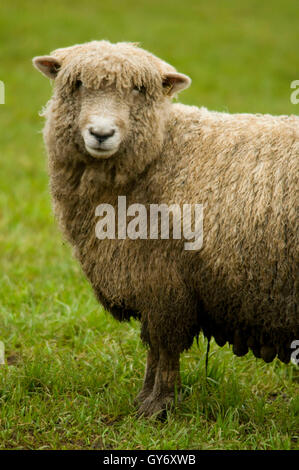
(117, 96)
(104, 119)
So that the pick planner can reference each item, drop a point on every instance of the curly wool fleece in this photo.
(242, 286)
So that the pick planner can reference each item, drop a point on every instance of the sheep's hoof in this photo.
(145, 392)
(156, 406)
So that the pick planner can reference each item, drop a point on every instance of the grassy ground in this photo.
(72, 371)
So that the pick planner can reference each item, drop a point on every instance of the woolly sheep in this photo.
(112, 130)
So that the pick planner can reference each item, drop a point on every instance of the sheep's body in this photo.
(242, 286)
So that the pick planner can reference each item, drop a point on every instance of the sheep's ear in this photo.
(174, 82)
(47, 65)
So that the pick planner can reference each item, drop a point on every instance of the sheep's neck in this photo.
(78, 187)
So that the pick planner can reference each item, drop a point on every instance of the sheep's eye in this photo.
(139, 89)
(78, 84)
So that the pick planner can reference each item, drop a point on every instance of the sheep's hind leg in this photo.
(150, 374)
(167, 381)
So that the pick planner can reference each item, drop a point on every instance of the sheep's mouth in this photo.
(98, 152)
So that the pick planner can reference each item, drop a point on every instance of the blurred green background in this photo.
(72, 371)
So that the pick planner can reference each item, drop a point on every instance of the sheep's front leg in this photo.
(167, 380)
(150, 374)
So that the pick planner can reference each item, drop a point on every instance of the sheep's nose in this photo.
(101, 136)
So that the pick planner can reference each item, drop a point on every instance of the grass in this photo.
(72, 371)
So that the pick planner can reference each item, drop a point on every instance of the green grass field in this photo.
(71, 370)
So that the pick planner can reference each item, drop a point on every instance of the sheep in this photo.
(112, 129)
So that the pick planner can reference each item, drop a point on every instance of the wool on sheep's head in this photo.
(108, 97)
